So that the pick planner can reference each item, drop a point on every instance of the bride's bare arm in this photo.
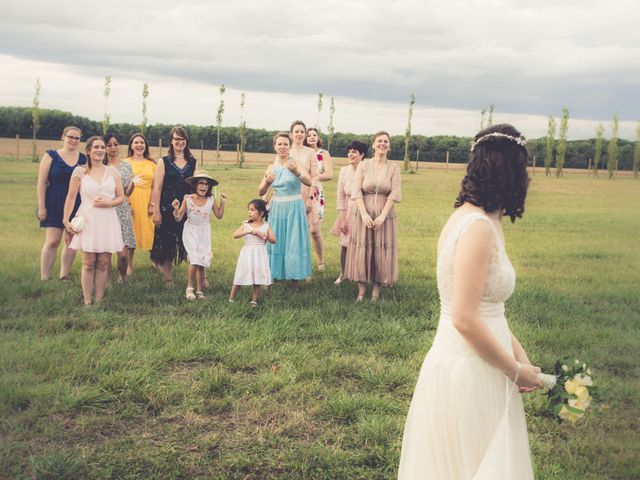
(518, 351)
(472, 256)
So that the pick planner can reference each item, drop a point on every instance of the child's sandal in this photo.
(189, 294)
(200, 295)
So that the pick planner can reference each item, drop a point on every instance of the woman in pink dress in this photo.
(95, 227)
(356, 151)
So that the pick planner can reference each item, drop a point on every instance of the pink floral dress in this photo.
(196, 235)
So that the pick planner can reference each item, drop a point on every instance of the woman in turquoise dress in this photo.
(290, 256)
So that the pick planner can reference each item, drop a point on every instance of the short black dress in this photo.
(167, 240)
(58, 188)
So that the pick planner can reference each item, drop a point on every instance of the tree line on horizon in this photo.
(18, 121)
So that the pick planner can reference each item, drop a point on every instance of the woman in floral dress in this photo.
(124, 209)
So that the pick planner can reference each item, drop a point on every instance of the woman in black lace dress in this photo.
(169, 185)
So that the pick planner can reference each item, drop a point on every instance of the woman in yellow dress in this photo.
(143, 167)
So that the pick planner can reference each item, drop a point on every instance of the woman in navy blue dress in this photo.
(54, 173)
(169, 185)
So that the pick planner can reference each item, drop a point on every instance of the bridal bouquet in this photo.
(568, 389)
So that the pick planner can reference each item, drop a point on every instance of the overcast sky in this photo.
(528, 58)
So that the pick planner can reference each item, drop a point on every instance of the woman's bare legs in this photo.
(131, 252)
(87, 277)
(362, 291)
(123, 263)
(68, 256)
(318, 244)
(165, 269)
(103, 261)
(375, 292)
(52, 238)
(343, 262)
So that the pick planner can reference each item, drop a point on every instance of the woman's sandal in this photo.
(200, 295)
(338, 281)
(253, 304)
(189, 294)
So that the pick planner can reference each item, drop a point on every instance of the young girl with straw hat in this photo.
(196, 235)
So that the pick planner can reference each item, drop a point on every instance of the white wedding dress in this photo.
(466, 419)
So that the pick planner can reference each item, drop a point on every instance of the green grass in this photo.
(311, 385)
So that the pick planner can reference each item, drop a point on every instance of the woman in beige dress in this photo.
(356, 151)
(306, 159)
(372, 256)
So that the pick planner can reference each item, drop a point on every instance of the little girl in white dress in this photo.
(253, 262)
(196, 235)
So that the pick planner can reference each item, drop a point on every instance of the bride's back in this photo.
(500, 277)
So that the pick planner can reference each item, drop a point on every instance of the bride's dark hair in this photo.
(497, 176)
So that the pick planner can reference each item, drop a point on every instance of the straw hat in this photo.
(201, 174)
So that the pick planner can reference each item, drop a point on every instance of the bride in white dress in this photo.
(466, 419)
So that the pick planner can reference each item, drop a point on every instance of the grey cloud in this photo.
(525, 58)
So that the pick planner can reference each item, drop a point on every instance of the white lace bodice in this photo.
(501, 277)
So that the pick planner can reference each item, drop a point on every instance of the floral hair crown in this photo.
(519, 140)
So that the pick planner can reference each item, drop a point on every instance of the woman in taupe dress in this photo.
(372, 256)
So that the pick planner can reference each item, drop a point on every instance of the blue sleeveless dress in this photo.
(290, 256)
(57, 189)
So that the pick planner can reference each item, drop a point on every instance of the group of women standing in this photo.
(474, 353)
(367, 192)
(136, 191)
(292, 186)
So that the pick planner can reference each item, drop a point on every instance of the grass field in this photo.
(148, 386)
